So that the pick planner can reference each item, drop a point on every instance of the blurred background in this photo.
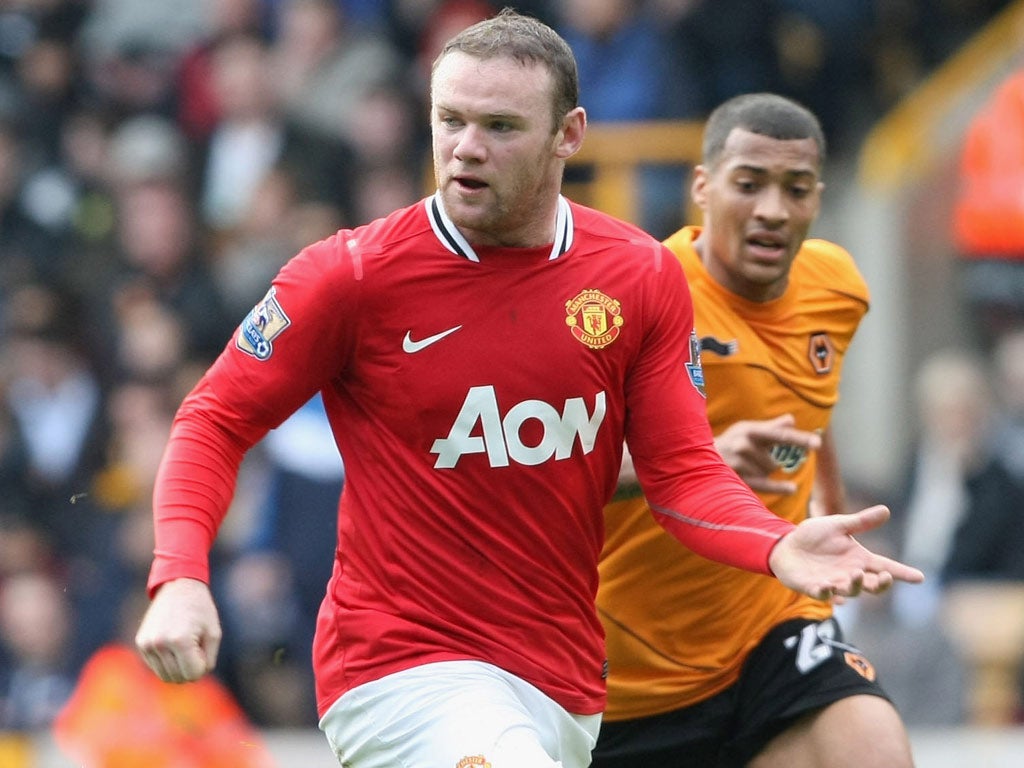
(160, 161)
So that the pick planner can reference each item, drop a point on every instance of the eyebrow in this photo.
(762, 170)
(486, 117)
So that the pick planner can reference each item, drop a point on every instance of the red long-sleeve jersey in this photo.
(479, 397)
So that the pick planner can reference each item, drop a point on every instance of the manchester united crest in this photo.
(593, 318)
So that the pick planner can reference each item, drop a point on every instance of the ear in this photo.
(569, 138)
(699, 186)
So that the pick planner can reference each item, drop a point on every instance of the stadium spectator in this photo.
(1008, 383)
(27, 248)
(323, 67)
(626, 74)
(36, 672)
(198, 104)
(14, 463)
(434, 24)
(54, 394)
(248, 137)
(388, 145)
(703, 35)
(812, 42)
(952, 469)
(160, 248)
(989, 539)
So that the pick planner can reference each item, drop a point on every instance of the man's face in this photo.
(497, 160)
(759, 201)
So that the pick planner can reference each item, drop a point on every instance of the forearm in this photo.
(714, 513)
(829, 490)
(194, 488)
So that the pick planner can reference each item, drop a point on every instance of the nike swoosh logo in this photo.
(411, 346)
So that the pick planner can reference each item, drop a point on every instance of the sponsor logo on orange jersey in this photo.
(593, 318)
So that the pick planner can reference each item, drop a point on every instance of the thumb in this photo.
(864, 520)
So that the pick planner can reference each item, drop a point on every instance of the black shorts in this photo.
(800, 666)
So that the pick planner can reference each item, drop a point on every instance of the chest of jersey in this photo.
(518, 364)
(788, 362)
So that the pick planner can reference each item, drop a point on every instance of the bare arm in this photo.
(829, 496)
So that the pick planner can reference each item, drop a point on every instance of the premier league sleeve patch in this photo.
(693, 368)
(261, 326)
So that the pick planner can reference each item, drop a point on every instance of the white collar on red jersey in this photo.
(453, 240)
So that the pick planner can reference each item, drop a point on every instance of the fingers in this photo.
(871, 582)
(896, 570)
(885, 569)
(155, 662)
(179, 637)
(851, 586)
(210, 651)
(881, 582)
(747, 447)
(175, 661)
(781, 430)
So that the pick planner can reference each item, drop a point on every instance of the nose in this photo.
(771, 205)
(470, 146)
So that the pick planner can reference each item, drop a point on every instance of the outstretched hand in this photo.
(821, 558)
(180, 634)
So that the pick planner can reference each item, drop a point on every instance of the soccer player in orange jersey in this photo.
(711, 666)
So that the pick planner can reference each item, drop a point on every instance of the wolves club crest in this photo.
(821, 352)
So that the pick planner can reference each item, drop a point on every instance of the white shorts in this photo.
(456, 714)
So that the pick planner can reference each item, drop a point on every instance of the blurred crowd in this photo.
(160, 161)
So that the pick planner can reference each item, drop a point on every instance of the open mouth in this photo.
(469, 183)
(771, 247)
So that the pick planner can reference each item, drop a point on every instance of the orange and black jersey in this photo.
(678, 626)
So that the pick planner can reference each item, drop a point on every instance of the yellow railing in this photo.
(615, 152)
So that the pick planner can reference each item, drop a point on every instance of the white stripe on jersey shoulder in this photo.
(450, 237)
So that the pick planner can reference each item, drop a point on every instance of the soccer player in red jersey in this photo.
(481, 355)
